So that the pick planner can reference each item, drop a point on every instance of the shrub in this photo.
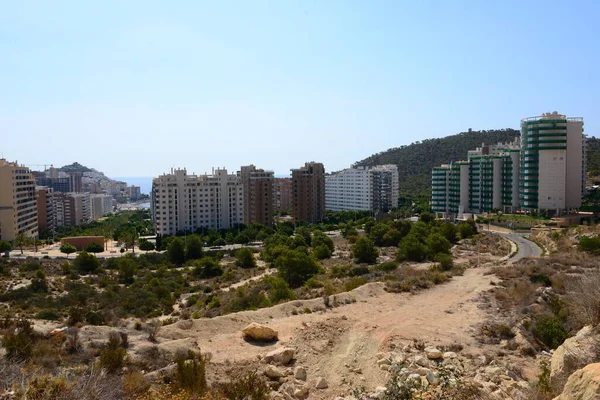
(550, 331)
(207, 267)
(360, 270)
(176, 251)
(321, 252)
(152, 329)
(191, 372)
(248, 386)
(193, 247)
(135, 385)
(39, 282)
(76, 316)
(127, 270)
(146, 245)
(112, 357)
(583, 297)
(67, 249)
(445, 261)
(279, 289)
(354, 283)
(387, 266)
(436, 244)
(296, 267)
(364, 251)
(245, 258)
(590, 244)
(18, 343)
(411, 249)
(48, 315)
(94, 248)
(86, 263)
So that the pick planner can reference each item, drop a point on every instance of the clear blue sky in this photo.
(135, 87)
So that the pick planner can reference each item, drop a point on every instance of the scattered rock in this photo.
(300, 373)
(422, 361)
(273, 372)
(450, 354)
(282, 355)
(431, 378)
(433, 353)
(321, 383)
(260, 332)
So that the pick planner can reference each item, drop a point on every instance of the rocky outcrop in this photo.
(573, 354)
(282, 355)
(259, 333)
(583, 384)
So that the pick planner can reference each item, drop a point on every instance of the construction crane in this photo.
(40, 165)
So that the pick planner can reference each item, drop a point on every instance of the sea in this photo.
(144, 182)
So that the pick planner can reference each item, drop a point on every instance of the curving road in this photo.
(527, 248)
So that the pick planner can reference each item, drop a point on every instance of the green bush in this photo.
(360, 270)
(278, 290)
(387, 266)
(364, 251)
(296, 267)
(18, 342)
(48, 315)
(590, 244)
(550, 331)
(354, 283)
(444, 261)
(94, 248)
(411, 249)
(245, 258)
(176, 251)
(320, 239)
(248, 386)
(191, 372)
(86, 263)
(321, 252)
(207, 267)
(193, 247)
(112, 357)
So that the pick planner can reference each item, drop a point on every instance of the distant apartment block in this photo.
(544, 170)
(258, 195)
(182, 202)
(308, 193)
(282, 195)
(18, 202)
(45, 209)
(362, 189)
(133, 192)
(71, 208)
(100, 205)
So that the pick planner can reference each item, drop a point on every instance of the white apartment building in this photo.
(100, 205)
(182, 202)
(362, 189)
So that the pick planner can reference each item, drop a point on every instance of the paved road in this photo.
(526, 247)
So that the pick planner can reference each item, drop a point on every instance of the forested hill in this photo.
(416, 160)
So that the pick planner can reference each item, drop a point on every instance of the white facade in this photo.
(182, 202)
(362, 189)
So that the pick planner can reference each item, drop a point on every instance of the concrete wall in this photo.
(81, 242)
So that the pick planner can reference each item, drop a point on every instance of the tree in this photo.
(127, 269)
(364, 251)
(279, 290)
(411, 249)
(5, 247)
(146, 245)
(67, 248)
(305, 233)
(449, 231)
(319, 238)
(86, 263)
(193, 247)
(129, 237)
(245, 258)
(21, 240)
(94, 248)
(296, 267)
(176, 251)
(39, 282)
(241, 238)
(466, 230)
(426, 217)
(436, 244)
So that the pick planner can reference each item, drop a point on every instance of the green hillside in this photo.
(416, 160)
(75, 167)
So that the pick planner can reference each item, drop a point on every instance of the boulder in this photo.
(273, 372)
(574, 353)
(431, 378)
(259, 333)
(583, 384)
(422, 361)
(433, 353)
(321, 383)
(282, 355)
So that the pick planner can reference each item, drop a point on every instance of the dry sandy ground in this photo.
(335, 343)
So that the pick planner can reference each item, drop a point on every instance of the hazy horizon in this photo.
(136, 88)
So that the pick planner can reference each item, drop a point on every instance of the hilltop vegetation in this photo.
(416, 160)
(75, 167)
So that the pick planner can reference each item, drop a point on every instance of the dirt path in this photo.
(269, 271)
(330, 343)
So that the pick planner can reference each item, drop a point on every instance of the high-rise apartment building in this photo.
(308, 193)
(57, 184)
(76, 182)
(45, 209)
(544, 170)
(552, 162)
(18, 202)
(282, 195)
(362, 189)
(182, 202)
(133, 192)
(100, 205)
(71, 208)
(258, 195)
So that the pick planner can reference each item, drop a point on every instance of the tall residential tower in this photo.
(308, 193)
